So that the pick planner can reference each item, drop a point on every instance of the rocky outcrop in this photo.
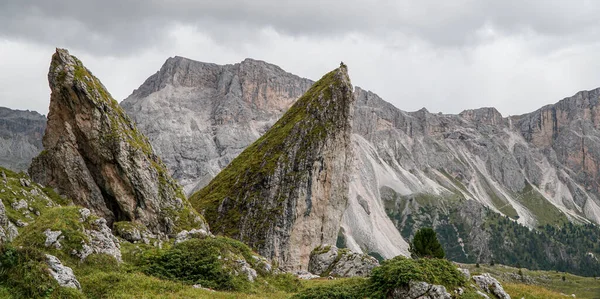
(101, 239)
(420, 290)
(8, 230)
(285, 194)
(61, 273)
(328, 260)
(20, 137)
(490, 285)
(199, 116)
(95, 155)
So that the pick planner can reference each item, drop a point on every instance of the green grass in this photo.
(544, 211)
(582, 287)
(64, 219)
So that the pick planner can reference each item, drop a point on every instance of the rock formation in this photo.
(412, 169)
(203, 115)
(95, 155)
(20, 137)
(285, 194)
(327, 260)
(61, 273)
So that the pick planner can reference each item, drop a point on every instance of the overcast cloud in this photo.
(443, 55)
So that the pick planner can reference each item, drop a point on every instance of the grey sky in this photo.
(443, 55)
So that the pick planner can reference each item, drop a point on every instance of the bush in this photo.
(399, 271)
(24, 272)
(392, 274)
(355, 288)
(426, 244)
(209, 262)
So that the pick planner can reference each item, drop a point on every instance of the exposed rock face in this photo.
(203, 115)
(61, 273)
(20, 137)
(95, 155)
(331, 261)
(568, 133)
(8, 230)
(101, 241)
(285, 194)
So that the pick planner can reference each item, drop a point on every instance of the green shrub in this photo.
(23, 271)
(399, 271)
(209, 262)
(355, 288)
(426, 244)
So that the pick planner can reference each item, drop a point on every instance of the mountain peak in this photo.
(293, 181)
(95, 155)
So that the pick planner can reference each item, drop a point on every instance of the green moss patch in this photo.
(63, 219)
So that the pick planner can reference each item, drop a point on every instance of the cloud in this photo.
(443, 55)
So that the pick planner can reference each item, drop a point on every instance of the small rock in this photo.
(245, 268)
(480, 293)
(198, 286)
(25, 182)
(20, 223)
(4, 179)
(185, 235)
(61, 273)
(420, 289)
(305, 275)
(263, 264)
(19, 205)
(85, 213)
(53, 238)
(466, 273)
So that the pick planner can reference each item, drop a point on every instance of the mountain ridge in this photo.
(419, 159)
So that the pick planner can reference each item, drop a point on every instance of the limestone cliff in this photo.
(20, 137)
(285, 194)
(203, 115)
(95, 156)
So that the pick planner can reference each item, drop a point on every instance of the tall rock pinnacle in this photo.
(95, 155)
(286, 193)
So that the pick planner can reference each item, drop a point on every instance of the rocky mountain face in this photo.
(286, 193)
(203, 115)
(412, 169)
(20, 137)
(94, 155)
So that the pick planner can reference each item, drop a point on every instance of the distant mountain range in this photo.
(457, 173)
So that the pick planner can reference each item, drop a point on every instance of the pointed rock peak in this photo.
(286, 193)
(95, 155)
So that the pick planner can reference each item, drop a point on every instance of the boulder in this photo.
(328, 260)
(491, 285)
(61, 273)
(420, 290)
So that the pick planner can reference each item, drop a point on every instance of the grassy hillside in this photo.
(540, 284)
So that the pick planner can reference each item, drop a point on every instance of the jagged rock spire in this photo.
(286, 193)
(95, 155)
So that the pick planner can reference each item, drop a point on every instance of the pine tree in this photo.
(426, 244)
